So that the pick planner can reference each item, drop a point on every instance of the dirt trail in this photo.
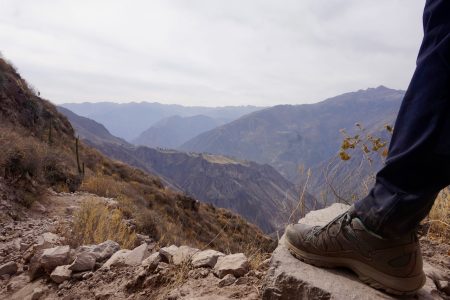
(19, 232)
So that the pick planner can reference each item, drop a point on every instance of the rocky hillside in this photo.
(287, 136)
(129, 120)
(174, 131)
(257, 192)
(40, 152)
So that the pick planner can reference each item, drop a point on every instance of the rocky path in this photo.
(37, 263)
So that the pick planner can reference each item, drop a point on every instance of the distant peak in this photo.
(380, 88)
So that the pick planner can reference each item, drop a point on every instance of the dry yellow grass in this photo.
(439, 218)
(102, 185)
(94, 223)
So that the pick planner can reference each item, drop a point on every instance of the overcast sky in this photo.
(210, 52)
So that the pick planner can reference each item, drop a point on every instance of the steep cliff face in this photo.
(257, 192)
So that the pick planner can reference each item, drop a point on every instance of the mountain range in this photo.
(289, 136)
(172, 132)
(129, 120)
(255, 191)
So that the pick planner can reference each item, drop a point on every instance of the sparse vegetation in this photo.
(41, 151)
(438, 220)
(368, 149)
(94, 223)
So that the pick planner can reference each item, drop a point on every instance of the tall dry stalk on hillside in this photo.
(300, 210)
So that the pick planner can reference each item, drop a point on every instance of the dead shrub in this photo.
(94, 223)
(102, 185)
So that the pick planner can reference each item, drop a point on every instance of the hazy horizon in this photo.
(210, 53)
(211, 106)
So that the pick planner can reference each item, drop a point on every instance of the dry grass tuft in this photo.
(102, 185)
(439, 218)
(94, 223)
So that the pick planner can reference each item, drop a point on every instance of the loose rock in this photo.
(47, 240)
(167, 253)
(10, 268)
(117, 258)
(183, 254)
(207, 258)
(53, 257)
(83, 262)
(227, 280)
(235, 264)
(137, 255)
(153, 260)
(61, 274)
(38, 293)
(102, 251)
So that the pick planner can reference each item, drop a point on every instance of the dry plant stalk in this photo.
(301, 200)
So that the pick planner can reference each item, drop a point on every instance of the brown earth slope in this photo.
(38, 149)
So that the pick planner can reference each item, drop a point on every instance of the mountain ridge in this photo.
(128, 120)
(287, 136)
(173, 131)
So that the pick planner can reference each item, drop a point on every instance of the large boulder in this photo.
(235, 264)
(289, 278)
(206, 258)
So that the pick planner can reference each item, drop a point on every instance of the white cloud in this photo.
(210, 52)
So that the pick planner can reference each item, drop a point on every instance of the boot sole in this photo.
(367, 274)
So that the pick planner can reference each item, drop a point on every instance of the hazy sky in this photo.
(210, 52)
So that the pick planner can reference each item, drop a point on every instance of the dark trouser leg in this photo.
(418, 164)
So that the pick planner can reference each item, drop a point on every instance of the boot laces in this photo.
(343, 219)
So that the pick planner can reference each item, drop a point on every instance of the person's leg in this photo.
(376, 237)
(418, 164)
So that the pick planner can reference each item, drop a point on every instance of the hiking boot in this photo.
(393, 265)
